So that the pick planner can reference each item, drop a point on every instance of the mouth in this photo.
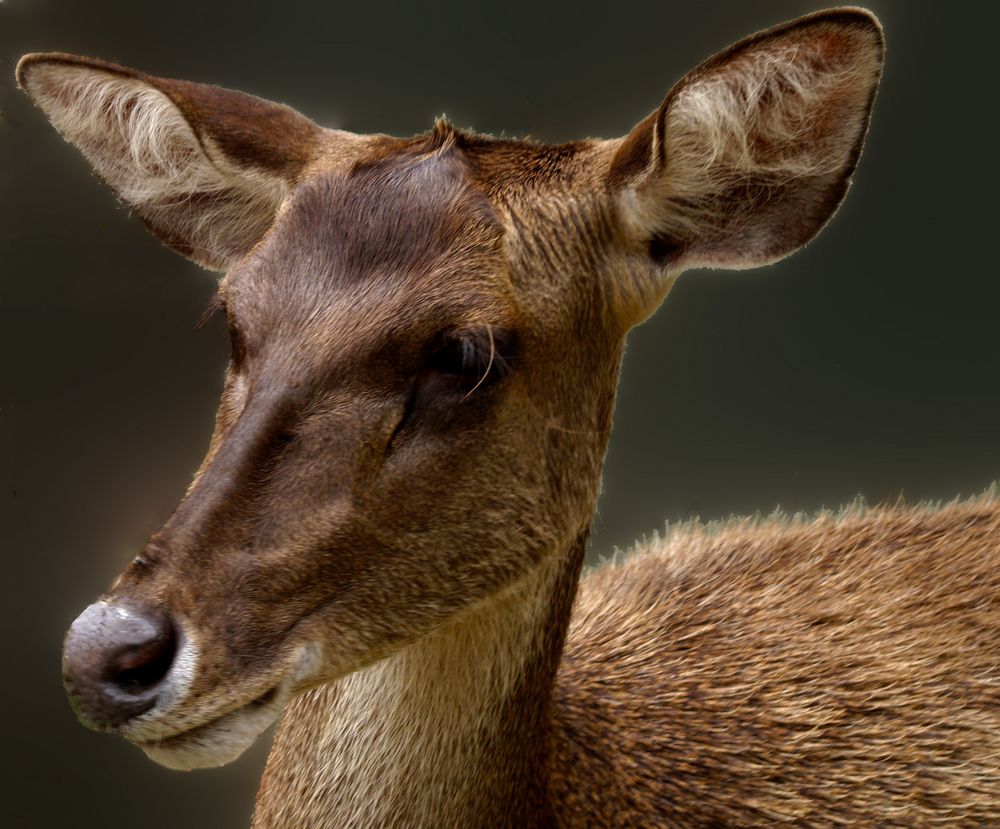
(222, 739)
(219, 741)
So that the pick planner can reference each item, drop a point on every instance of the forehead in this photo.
(387, 231)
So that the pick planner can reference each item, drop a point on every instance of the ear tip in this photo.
(859, 21)
(25, 64)
(33, 60)
(850, 15)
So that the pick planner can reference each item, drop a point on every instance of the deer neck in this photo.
(449, 731)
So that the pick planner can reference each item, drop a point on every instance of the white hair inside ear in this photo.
(140, 143)
(752, 152)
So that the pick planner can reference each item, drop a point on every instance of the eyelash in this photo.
(216, 306)
(464, 363)
(477, 358)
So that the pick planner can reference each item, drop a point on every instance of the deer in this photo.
(383, 548)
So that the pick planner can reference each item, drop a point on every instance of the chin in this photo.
(221, 740)
(218, 742)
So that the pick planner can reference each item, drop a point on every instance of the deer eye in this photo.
(457, 366)
(473, 359)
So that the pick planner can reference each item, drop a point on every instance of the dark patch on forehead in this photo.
(388, 217)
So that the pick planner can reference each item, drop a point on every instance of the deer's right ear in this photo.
(205, 168)
(751, 152)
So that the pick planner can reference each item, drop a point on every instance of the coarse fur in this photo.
(842, 670)
(710, 168)
(386, 536)
(142, 144)
(144, 148)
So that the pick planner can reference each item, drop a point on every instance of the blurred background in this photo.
(867, 364)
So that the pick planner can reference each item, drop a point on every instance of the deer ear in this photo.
(752, 152)
(205, 168)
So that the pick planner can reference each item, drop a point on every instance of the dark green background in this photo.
(868, 363)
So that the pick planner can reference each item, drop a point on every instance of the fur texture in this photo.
(840, 671)
(741, 139)
(384, 752)
(142, 146)
(390, 536)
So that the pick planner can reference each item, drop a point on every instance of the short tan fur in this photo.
(384, 543)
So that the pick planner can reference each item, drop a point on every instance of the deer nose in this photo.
(115, 660)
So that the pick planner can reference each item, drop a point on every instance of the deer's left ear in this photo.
(752, 152)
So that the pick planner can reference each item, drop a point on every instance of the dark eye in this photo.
(458, 366)
(474, 359)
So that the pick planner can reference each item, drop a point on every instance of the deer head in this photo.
(426, 336)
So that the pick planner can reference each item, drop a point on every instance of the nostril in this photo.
(142, 666)
(115, 661)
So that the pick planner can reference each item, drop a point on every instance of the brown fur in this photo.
(388, 544)
(840, 671)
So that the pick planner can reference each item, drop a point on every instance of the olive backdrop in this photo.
(867, 363)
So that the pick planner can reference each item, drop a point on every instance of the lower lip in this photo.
(264, 699)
